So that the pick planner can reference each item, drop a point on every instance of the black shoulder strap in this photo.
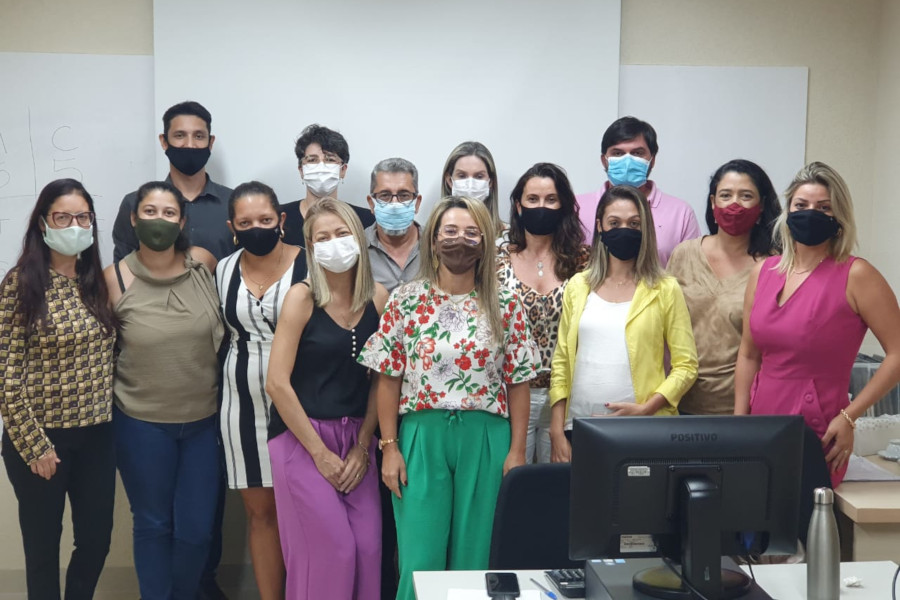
(119, 276)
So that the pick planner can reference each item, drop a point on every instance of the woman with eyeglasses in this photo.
(321, 435)
(252, 284)
(545, 248)
(618, 318)
(470, 172)
(455, 356)
(57, 334)
(166, 390)
(322, 159)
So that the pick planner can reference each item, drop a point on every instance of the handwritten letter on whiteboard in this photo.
(86, 117)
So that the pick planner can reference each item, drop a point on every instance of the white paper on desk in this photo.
(861, 469)
(482, 595)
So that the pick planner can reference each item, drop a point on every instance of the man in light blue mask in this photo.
(393, 239)
(629, 153)
(393, 245)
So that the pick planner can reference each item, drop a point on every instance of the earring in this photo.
(234, 238)
(282, 234)
(435, 262)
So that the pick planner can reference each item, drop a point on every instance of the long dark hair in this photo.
(761, 239)
(33, 266)
(569, 236)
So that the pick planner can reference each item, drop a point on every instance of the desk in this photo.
(869, 516)
(434, 585)
(784, 582)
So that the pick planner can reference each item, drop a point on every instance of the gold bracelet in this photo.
(382, 443)
(364, 449)
(849, 419)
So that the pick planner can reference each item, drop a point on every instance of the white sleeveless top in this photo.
(602, 368)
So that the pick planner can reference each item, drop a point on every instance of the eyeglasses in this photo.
(386, 197)
(64, 219)
(328, 159)
(471, 234)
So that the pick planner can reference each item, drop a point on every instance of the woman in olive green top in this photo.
(165, 390)
(713, 272)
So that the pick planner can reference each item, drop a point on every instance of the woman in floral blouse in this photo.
(455, 354)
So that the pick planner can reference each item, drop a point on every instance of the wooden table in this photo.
(869, 516)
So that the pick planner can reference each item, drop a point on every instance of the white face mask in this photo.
(337, 254)
(477, 189)
(70, 241)
(322, 178)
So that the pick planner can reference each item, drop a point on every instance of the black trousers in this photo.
(86, 474)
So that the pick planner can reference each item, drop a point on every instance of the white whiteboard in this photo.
(706, 116)
(534, 81)
(67, 115)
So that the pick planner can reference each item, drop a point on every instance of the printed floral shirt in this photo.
(442, 348)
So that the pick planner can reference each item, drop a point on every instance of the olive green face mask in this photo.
(157, 234)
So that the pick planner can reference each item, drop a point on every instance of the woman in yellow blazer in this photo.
(618, 317)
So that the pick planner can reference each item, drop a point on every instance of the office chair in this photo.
(531, 522)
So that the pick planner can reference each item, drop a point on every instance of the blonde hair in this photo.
(646, 267)
(363, 284)
(485, 268)
(840, 246)
(492, 202)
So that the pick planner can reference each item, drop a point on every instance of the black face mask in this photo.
(812, 227)
(258, 241)
(188, 160)
(540, 220)
(622, 242)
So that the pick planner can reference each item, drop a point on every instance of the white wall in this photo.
(884, 224)
(851, 49)
(402, 78)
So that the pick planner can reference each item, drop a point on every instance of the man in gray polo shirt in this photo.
(187, 142)
(393, 240)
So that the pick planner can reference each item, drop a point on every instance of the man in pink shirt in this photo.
(629, 153)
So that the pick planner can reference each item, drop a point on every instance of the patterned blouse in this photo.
(59, 376)
(543, 310)
(442, 348)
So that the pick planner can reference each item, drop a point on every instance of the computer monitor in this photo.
(691, 489)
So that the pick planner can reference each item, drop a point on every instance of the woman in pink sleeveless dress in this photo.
(808, 311)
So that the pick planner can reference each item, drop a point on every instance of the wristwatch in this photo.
(383, 442)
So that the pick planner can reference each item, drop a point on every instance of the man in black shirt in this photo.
(187, 141)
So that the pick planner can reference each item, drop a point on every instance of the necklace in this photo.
(268, 280)
(795, 272)
(540, 266)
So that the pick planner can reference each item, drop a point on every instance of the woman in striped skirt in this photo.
(252, 285)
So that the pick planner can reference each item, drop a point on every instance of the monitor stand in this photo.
(614, 579)
(699, 508)
(662, 582)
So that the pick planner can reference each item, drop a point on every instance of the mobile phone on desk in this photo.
(504, 586)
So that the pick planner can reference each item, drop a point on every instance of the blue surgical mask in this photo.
(395, 218)
(627, 170)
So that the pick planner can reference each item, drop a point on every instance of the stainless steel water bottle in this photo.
(823, 552)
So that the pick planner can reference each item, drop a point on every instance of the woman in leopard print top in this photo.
(545, 248)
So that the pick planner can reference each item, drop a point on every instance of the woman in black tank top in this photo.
(321, 440)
